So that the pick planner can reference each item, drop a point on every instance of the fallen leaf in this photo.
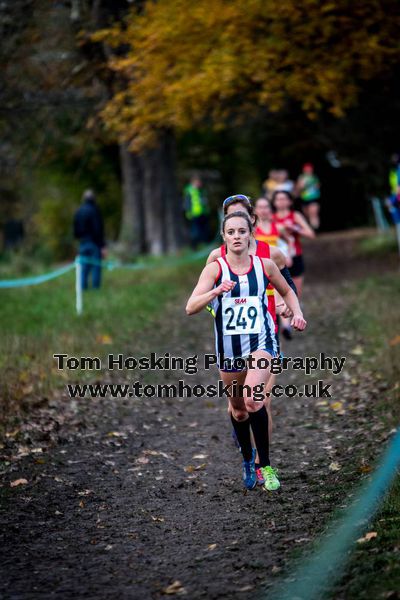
(357, 351)
(211, 546)
(395, 341)
(246, 588)
(27, 389)
(337, 406)
(367, 537)
(156, 453)
(191, 468)
(200, 456)
(158, 519)
(23, 451)
(104, 339)
(17, 482)
(365, 468)
(108, 547)
(12, 433)
(115, 434)
(275, 570)
(175, 588)
(81, 504)
(335, 466)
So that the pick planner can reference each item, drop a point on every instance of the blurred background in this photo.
(131, 98)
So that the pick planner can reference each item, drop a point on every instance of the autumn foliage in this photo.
(218, 60)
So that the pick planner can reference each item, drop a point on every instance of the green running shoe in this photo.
(271, 480)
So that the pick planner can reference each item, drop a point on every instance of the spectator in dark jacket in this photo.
(89, 230)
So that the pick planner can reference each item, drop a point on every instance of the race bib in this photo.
(241, 315)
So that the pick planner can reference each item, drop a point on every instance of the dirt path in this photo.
(139, 494)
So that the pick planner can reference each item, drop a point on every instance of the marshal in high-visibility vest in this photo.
(196, 211)
(196, 203)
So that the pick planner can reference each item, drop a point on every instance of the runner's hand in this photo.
(298, 322)
(226, 286)
(283, 310)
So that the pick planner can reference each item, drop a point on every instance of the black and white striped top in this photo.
(242, 322)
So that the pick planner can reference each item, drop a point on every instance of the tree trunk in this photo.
(164, 221)
(174, 223)
(153, 201)
(152, 218)
(132, 232)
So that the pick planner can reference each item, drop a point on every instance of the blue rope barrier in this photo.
(319, 572)
(35, 280)
(13, 283)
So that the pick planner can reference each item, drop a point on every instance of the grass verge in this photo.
(38, 321)
(374, 568)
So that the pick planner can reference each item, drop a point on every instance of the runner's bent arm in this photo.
(305, 229)
(214, 254)
(280, 260)
(204, 292)
(278, 257)
(288, 295)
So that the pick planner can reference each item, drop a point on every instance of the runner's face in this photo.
(237, 234)
(282, 202)
(263, 210)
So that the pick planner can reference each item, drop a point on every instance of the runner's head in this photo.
(237, 203)
(281, 200)
(263, 209)
(237, 230)
(195, 181)
(308, 169)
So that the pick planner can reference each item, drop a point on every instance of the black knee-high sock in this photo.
(259, 425)
(242, 430)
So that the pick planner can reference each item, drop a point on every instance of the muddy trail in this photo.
(142, 498)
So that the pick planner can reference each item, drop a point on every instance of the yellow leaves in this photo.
(338, 408)
(228, 56)
(395, 341)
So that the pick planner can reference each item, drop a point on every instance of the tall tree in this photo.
(226, 58)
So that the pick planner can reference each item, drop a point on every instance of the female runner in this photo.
(293, 224)
(276, 305)
(236, 287)
(267, 231)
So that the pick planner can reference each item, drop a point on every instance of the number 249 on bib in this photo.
(241, 315)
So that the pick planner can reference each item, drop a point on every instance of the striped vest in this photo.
(253, 283)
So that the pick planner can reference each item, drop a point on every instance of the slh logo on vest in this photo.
(240, 300)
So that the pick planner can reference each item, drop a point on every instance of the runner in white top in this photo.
(236, 286)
